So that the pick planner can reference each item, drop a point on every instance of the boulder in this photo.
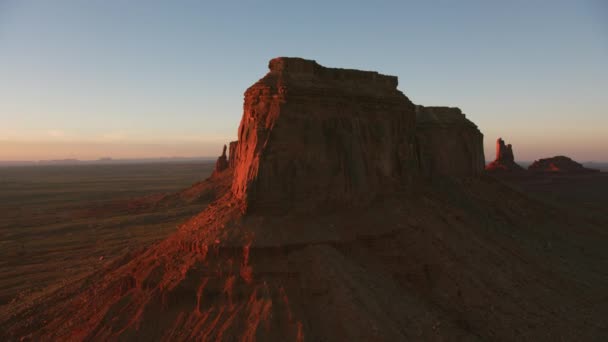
(505, 160)
(448, 144)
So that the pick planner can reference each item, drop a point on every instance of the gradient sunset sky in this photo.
(125, 79)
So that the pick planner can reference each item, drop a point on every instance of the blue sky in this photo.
(89, 79)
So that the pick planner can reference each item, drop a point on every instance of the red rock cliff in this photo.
(313, 135)
(448, 143)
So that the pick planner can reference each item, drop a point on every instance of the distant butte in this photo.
(222, 162)
(505, 160)
(559, 164)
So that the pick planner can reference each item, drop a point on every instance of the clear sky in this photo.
(89, 79)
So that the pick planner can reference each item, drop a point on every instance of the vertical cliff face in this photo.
(504, 152)
(448, 144)
(313, 135)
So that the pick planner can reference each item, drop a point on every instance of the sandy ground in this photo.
(478, 259)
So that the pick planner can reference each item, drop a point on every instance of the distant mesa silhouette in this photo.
(505, 160)
(559, 164)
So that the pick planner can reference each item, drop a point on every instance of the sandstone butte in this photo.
(343, 213)
(505, 160)
(559, 164)
(314, 137)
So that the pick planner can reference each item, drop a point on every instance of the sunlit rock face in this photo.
(505, 160)
(315, 136)
(448, 143)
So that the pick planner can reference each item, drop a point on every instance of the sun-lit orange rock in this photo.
(232, 154)
(505, 160)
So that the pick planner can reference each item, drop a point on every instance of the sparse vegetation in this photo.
(53, 225)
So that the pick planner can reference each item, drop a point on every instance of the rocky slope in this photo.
(364, 246)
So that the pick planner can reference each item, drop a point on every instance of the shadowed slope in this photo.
(453, 263)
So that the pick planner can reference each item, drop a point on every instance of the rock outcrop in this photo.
(561, 164)
(315, 136)
(222, 162)
(448, 143)
(505, 160)
(232, 154)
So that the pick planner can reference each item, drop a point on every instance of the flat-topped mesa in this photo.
(505, 160)
(312, 136)
(308, 70)
(448, 143)
(560, 164)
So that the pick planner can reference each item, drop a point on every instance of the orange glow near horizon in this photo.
(33, 151)
(525, 149)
